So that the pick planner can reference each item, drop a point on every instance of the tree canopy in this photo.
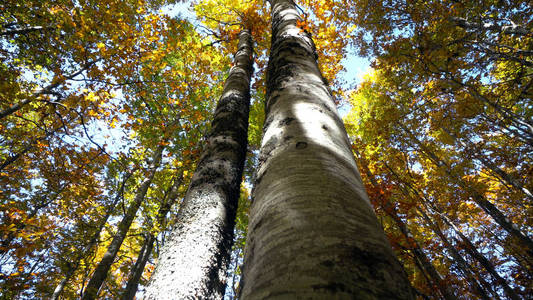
(91, 92)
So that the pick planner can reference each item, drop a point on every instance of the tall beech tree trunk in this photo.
(312, 233)
(194, 260)
(100, 273)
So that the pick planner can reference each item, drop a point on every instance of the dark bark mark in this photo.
(286, 121)
(301, 145)
(332, 287)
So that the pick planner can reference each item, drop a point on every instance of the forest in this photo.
(216, 149)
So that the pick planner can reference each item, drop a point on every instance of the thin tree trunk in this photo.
(46, 90)
(424, 260)
(470, 248)
(11, 159)
(61, 285)
(170, 198)
(419, 254)
(459, 260)
(478, 198)
(100, 273)
(494, 168)
(42, 203)
(138, 268)
(518, 122)
(92, 241)
(25, 31)
(312, 233)
(194, 260)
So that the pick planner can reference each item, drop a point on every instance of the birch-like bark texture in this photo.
(193, 262)
(100, 273)
(312, 233)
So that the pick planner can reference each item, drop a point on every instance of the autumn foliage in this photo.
(441, 127)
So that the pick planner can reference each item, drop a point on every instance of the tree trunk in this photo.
(100, 273)
(138, 268)
(478, 198)
(459, 260)
(424, 260)
(170, 198)
(499, 173)
(472, 250)
(46, 90)
(420, 257)
(312, 233)
(194, 260)
(76, 262)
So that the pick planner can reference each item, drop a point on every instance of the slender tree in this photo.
(420, 257)
(73, 265)
(170, 198)
(473, 251)
(100, 273)
(194, 260)
(138, 267)
(312, 231)
(470, 248)
(497, 215)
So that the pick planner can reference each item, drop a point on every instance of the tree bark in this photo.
(100, 273)
(194, 260)
(312, 233)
